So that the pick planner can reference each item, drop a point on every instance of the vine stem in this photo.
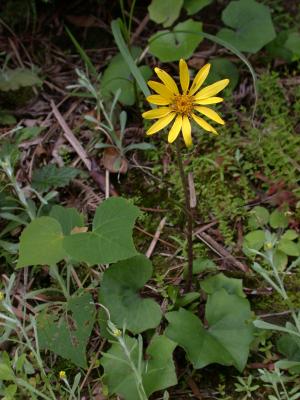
(189, 225)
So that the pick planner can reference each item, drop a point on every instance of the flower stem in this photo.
(189, 230)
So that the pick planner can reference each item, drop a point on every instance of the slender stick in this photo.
(189, 230)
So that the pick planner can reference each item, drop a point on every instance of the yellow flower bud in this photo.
(116, 332)
(62, 375)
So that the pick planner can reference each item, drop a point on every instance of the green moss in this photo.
(274, 303)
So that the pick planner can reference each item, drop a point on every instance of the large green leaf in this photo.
(173, 45)
(193, 6)
(118, 76)
(111, 237)
(251, 23)
(228, 337)
(220, 281)
(119, 292)
(41, 242)
(165, 12)
(67, 333)
(158, 371)
(68, 218)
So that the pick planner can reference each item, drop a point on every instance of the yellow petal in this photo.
(209, 100)
(167, 80)
(160, 89)
(174, 131)
(184, 75)
(157, 113)
(208, 112)
(204, 124)
(211, 90)
(161, 124)
(199, 78)
(158, 100)
(187, 131)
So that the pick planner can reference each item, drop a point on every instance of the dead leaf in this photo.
(113, 162)
(79, 229)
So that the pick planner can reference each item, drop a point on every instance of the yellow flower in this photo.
(116, 332)
(182, 105)
(62, 375)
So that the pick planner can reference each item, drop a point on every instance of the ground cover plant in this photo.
(149, 200)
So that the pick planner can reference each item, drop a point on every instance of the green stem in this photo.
(189, 230)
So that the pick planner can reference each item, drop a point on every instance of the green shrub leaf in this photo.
(278, 220)
(259, 217)
(67, 334)
(50, 176)
(119, 292)
(14, 79)
(6, 373)
(254, 240)
(165, 12)
(244, 16)
(111, 237)
(173, 45)
(41, 242)
(228, 337)
(289, 247)
(158, 372)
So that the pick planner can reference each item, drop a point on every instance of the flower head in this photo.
(62, 375)
(180, 106)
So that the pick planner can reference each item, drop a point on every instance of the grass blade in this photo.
(116, 30)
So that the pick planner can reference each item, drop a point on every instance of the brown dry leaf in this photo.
(113, 162)
(79, 229)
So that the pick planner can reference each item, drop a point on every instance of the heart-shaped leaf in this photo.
(119, 293)
(193, 6)
(41, 242)
(118, 76)
(220, 281)
(244, 16)
(111, 237)
(68, 218)
(158, 372)
(228, 337)
(67, 334)
(165, 12)
(173, 45)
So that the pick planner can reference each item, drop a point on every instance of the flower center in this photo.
(183, 104)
